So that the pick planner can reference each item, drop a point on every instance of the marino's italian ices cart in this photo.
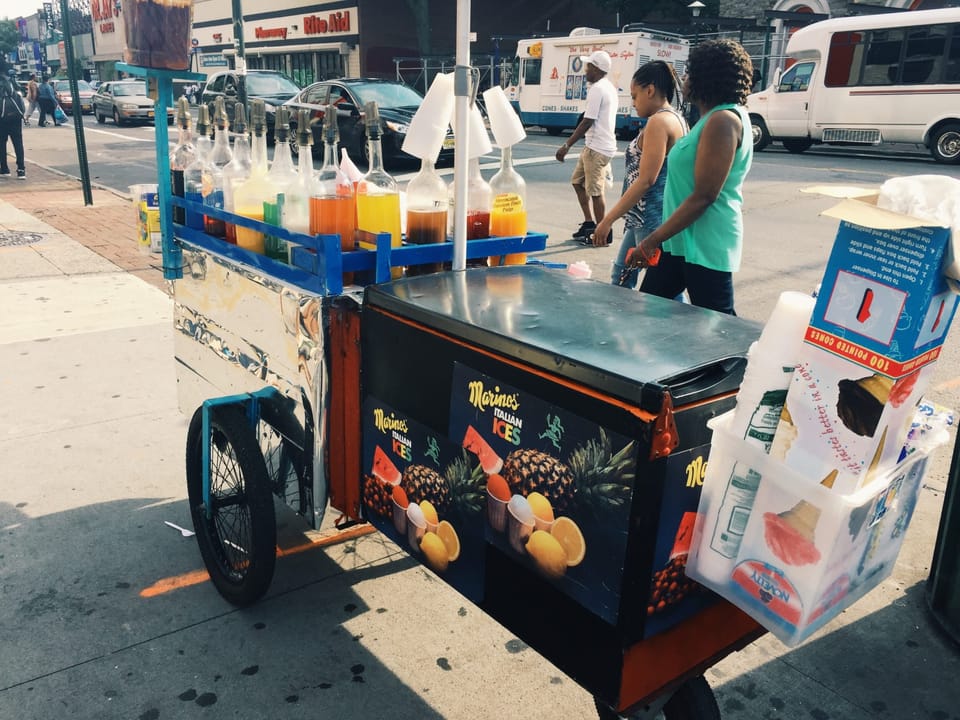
(521, 432)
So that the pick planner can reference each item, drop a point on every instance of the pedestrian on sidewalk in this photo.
(597, 128)
(11, 125)
(47, 97)
(652, 89)
(33, 90)
(702, 230)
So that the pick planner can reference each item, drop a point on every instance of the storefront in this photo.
(108, 37)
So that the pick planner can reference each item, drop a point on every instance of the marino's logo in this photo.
(482, 398)
(389, 423)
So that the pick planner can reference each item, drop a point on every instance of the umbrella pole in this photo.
(461, 91)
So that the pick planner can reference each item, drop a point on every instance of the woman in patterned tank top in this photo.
(652, 89)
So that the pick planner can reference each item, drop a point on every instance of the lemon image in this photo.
(435, 551)
(450, 540)
(541, 507)
(567, 533)
(547, 553)
(429, 511)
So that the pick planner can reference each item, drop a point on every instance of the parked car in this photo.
(397, 104)
(65, 98)
(271, 86)
(125, 101)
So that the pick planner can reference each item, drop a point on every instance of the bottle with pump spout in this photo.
(183, 154)
(237, 170)
(282, 175)
(219, 157)
(378, 199)
(296, 205)
(333, 206)
(193, 174)
(508, 216)
(251, 194)
(479, 202)
(426, 213)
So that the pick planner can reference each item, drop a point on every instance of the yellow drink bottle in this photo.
(508, 217)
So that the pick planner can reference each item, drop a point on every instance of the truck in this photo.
(867, 80)
(548, 85)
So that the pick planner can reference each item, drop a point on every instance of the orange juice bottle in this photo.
(378, 198)
(508, 217)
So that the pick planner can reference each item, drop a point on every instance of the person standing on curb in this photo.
(47, 97)
(11, 125)
(32, 90)
(597, 128)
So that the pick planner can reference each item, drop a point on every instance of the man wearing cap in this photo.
(597, 127)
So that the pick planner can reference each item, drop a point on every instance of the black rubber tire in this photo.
(694, 700)
(553, 131)
(116, 118)
(797, 145)
(945, 144)
(761, 136)
(101, 118)
(238, 542)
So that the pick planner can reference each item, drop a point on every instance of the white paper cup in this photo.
(504, 122)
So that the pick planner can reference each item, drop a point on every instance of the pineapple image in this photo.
(423, 483)
(467, 483)
(377, 496)
(594, 477)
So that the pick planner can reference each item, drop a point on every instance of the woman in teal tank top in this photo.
(701, 236)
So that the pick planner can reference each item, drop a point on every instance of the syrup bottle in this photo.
(219, 157)
(282, 175)
(378, 199)
(296, 206)
(251, 194)
(193, 174)
(333, 205)
(508, 217)
(237, 170)
(183, 154)
(426, 213)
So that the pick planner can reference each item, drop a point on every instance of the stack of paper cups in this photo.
(429, 125)
(479, 144)
(504, 122)
(770, 365)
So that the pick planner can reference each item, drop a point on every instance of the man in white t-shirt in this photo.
(597, 126)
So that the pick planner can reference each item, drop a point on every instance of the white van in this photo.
(549, 85)
(866, 80)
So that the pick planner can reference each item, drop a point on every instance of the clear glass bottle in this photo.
(219, 157)
(378, 199)
(281, 176)
(183, 154)
(426, 213)
(238, 169)
(479, 203)
(296, 205)
(333, 205)
(508, 215)
(256, 189)
(193, 173)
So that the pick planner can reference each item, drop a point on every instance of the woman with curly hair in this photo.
(701, 236)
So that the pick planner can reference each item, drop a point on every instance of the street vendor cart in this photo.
(537, 440)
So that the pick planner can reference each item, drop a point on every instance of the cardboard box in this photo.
(881, 317)
(790, 553)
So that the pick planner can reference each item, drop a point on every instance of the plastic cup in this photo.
(496, 512)
(518, 531)
(504, 121)
(399, 518)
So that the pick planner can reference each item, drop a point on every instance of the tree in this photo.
(9, 37)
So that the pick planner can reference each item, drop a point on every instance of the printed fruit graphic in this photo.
(498, 488)
(547, 553)
(429, 512)
(450, 540)
(541, 507)
(604, 479)
(384, 468)
(435, 551)
(465, 478)
(489, 460)
(422, 483)
(376, 496)
(528, 470)
(566, 532)
(399, 496)
(671, 585)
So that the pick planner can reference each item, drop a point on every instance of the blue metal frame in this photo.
(251, 404)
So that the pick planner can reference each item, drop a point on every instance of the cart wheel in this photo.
(693, 700)
(238, 540)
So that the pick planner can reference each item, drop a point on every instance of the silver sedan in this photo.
(125, 101)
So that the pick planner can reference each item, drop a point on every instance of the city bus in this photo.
(866, 80)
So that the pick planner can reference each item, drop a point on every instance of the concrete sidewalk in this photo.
(92, 442)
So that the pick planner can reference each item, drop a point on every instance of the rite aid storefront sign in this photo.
(287, 29)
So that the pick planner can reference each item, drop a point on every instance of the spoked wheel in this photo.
(238, 539)
(694, 700)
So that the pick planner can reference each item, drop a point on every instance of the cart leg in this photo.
(694, 700)
(236, 528)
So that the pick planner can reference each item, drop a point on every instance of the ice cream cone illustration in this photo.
(785, 435)
(860, 402)
(790, 534)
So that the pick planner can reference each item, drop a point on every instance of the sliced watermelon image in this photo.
(489, 460)
(384, 468)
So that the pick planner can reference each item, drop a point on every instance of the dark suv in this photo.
(271, 86)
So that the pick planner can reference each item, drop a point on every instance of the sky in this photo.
(12, 9)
